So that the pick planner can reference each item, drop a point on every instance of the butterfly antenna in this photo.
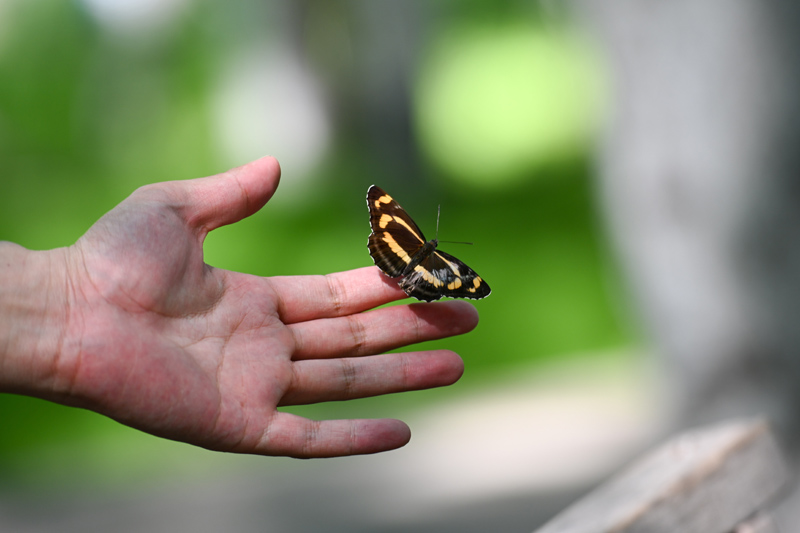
(437, 229)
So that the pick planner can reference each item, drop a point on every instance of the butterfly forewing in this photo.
(395, 238)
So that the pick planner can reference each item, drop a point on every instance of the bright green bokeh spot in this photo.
(494, 103)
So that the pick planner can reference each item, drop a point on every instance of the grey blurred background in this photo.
(626, 169)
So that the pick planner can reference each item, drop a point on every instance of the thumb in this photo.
(231, 196)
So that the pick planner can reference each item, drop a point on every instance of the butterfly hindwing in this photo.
(440, 274)
(399, 248)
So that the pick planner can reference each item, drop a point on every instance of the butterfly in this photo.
(399, 249)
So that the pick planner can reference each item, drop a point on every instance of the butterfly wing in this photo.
(440, 274)
(395, 238)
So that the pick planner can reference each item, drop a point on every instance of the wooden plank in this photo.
(703, 481)
(760, 523)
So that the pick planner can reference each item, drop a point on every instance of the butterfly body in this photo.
(399, 249)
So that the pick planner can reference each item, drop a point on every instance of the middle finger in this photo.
(381, 329)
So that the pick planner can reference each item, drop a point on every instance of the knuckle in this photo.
(336, 294)
(349, 377)
(358, 334)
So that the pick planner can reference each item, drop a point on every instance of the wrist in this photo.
(33, 315)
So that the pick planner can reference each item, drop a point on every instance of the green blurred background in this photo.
(489, 108)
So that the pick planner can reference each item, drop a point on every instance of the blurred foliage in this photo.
(495, 100)
(87, 115)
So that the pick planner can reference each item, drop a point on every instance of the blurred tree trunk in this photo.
(701, 184)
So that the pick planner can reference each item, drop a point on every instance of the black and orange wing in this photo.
(439, 275)
(395, 238)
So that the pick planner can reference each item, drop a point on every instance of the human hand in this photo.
(150, 335)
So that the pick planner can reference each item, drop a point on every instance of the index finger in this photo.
(302, 298)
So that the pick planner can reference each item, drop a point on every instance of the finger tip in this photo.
(402, 433)
(469, 311)
(270, 164)
(452, 367)
(257, 180)
(384, 435)
(458, 367)
(463, 313)
(265, 170)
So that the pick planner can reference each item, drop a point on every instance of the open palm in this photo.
(161, 341)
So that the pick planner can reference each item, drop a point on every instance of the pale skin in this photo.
(131, 323)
